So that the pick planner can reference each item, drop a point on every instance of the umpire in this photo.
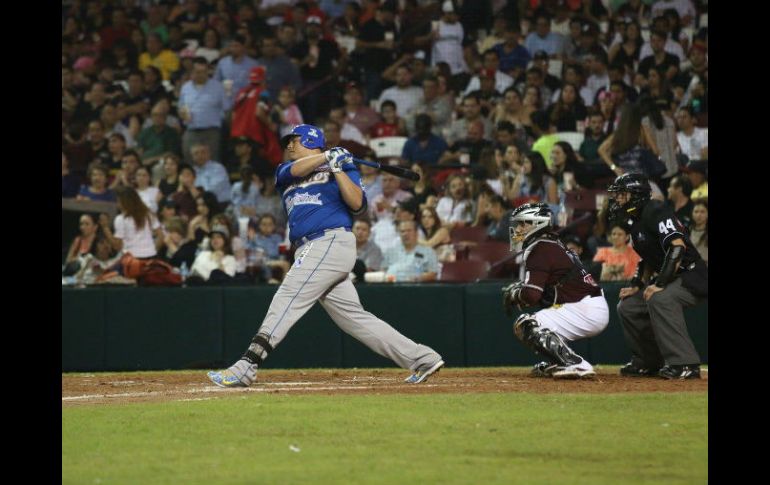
(671, 275)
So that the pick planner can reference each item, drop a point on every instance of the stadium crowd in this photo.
(173, 111)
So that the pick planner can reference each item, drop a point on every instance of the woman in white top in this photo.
(218, 256)
(137, 230)
(147, 192)
(455, 207)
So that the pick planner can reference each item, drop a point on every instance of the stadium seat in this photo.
(574, 138)
(463, 271)
(388, 146)
(490, 251)
(469, 233)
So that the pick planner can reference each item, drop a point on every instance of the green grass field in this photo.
(492, 438)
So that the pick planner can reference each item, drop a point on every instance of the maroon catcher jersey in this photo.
(546, 262)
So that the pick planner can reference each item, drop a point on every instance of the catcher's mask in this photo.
(629, 193)
(527, 222)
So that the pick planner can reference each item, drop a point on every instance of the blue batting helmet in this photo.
(309, 136)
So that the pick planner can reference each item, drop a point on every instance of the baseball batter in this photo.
(321, 192)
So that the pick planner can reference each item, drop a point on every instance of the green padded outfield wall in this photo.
(180, 328)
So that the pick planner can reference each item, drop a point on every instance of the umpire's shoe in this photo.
(680, 372)
(630, 370)
(421, 376)
(240, 374)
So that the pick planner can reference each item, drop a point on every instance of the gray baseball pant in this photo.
(655, 330)
(320, 273)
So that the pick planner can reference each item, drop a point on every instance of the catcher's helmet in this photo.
(639, 191)
(528, 221)
(309, 137)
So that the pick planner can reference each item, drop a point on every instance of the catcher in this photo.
(552, 276)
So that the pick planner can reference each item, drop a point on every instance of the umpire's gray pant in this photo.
(655, 330)
(320, 273)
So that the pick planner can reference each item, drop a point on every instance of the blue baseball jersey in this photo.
(314, 203)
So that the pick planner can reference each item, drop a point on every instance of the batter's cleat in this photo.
(680, 372)
(240, 374)
(630, 370)
(583, 370)
(421, 376)
(543, 369)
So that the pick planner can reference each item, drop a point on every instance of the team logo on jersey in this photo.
(314, 178)
(302, 199)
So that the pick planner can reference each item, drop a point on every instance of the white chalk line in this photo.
(292, 386)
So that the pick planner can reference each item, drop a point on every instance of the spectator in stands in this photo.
(488, 96)
(118, 135)
(565, 166)
(424, 147)
(543, 39)
(233, 70)
(385, 230)
(126, 176)
(661, 131)
(264, 245)
(187, 192)
(211, 47)
(532, 183)
(618, 261)
(622, 150)
(513, 58)
(408, 260)
(366, 250)
(335, 135)
(286, 111)
(245, 194)
(280, 70)
(699, 228)
(207, 208)
(471, 109)
(670, 46)
(568, 110)
(392, 124)
(404, 94)
(665, 63)
(356, 113)
(679, 191)
(97, 142)
(546, 136)
(467, 150)
(491, 65)
(381, 207)
(534, 78)
(92, 103)
(455, 208)
(447, 40)
(626, 51)
(70, 183)
(251, 118)
(593, 138)
(149, 194)
(575, 244)
(202, 106)
(85, 242)
(270, 202)
(436, 235)
(215, 264)
(153, 85)
(158, 139)
(177, 249)
(496, 36)
(491, 213)
(211, 175)
(697, 172)
(693, 141)
(97, 185)
(422, 189)
(137, 230)
(170, 181)
(371, 181)
(164, 59)
(432, 103)
(658, 88)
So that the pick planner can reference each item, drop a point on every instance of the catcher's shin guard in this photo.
(544, 341)
(258, 350)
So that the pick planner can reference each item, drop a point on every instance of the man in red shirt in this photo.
(552, 276)
(250, 117)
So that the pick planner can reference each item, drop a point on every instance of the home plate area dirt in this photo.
(133, 387)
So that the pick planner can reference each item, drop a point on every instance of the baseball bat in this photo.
(397, 171)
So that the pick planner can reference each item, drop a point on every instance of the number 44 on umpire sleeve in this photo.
(662, 226)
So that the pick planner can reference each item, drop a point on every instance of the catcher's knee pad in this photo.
(544, 341)
(258, 350)
(524, 326)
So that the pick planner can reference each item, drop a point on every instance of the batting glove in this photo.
(337, 157)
